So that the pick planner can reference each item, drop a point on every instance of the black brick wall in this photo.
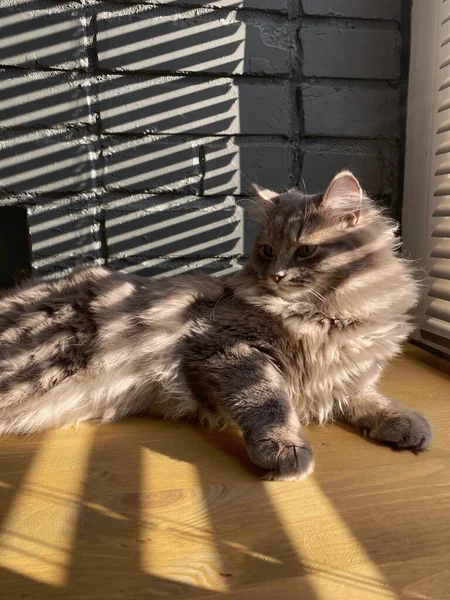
(130, 132)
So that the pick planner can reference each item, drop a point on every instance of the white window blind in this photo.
(426, 208)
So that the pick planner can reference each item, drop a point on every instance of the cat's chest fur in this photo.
(324, 361)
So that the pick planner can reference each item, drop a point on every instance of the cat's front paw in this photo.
(406, 431)
(284, 459)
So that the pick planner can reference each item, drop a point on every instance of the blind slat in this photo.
(443, 169)
(437, 332)
(443, 189)
(443, 209)
(444, 106)
(445, 84)
(443, 148)
(442, 230)
(437, 327)
(440, 289)
(439, 309)
(441, 249)
(441, 269)
(444, 127)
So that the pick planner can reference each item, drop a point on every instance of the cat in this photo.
(301, 334)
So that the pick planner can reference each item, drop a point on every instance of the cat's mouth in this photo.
(288, 287)
(286, 282)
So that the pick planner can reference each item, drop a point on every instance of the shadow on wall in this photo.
(168, 156)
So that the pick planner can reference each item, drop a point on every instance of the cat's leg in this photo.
(246, 385)
(387, 421)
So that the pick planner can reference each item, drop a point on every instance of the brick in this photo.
(51, 36)
(231, 168)
(358, 110)
(76, 202)
(46, 161)
(194, 228)
(363, 9)
(60, 234)
(322, 161)
(10, 200)
(151, 164)
(270, 5)
(209, 106)
(43, 98)
(350, 52)
(167, 266)
(202, 40)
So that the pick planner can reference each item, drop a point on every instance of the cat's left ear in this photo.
(345, 191)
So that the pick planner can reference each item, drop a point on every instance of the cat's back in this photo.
(47, 333)
(92, 321)
(35, 301)
(98, 290)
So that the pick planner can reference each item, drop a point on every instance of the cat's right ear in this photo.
(344, 194)
(263, 193)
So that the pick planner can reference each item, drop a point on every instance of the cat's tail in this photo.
(64, 405)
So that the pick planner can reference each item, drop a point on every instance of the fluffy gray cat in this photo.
(301, 334)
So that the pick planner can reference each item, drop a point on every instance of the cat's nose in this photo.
(277, 277)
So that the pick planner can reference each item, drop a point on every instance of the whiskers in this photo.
(326, 288)
(221, 301)
(322, 298)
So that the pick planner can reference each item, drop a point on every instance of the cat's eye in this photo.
(306, 250)
(268, 251)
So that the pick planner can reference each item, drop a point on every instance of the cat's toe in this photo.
(283, 460)
(294, 463)
(409, 431)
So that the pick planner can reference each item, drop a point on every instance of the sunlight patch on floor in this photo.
(336, 563)
(37, 534)
(177, 538)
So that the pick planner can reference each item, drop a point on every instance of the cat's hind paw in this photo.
(408, 431)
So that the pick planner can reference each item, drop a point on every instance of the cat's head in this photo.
(317, 242)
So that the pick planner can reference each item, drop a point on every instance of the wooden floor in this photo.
(147, 509)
